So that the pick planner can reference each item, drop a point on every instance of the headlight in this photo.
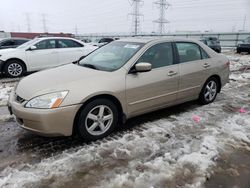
(47, 101)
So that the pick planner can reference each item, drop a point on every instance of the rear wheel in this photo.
(14, 68)
(97, 119)
(209, 91)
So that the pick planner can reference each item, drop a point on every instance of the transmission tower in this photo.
(136, 4)
(163, 6)
(44, 23)
(27, 15)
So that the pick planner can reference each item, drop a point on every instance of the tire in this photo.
(238, 51)
(91, 124)
(14, 68)
(208, 95)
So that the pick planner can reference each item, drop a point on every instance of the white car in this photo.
(42, 53)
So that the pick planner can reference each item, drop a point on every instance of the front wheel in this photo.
(14, 68)
(97, 119)
(209, 91)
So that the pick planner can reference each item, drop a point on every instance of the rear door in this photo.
(45, 55)
(194, 69)
(69, 51)
(157, 88)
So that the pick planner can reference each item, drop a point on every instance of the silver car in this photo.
(121, 80)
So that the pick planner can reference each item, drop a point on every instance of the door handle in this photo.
(206, 65)
(53, 52)
(172, 73)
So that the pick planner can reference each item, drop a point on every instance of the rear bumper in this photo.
(46, 122)
(243, 49)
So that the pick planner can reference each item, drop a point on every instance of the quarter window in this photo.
(188, 51)
(64, 43)
(159, 55)
(46, 44)
(204, 54)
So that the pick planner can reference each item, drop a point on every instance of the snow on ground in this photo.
(173, 151)
(5, 89)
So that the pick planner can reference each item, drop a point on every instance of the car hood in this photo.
(58, 79)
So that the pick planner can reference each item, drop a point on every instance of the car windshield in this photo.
(112, 56)
(26, 44)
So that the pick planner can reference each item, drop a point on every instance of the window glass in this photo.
(8, 43)
(188, 51)
(159, 55)
(64, 43)
(204, 54)
(46, 44)
(111, 56)
(19, 42)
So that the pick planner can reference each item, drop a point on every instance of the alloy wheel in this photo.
(210, 91)
(99, 120)
(15, 69)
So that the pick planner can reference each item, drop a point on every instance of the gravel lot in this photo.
(166, 148)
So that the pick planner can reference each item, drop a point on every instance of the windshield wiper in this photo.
(90, 66)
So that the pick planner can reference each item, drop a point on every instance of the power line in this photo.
(163, 6)
(136, 14)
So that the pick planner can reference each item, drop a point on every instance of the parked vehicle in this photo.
(11, 42)
(102, 41)
(86, 40)
(42, 53)
(121, 80)
(244, 47)
(213, 43)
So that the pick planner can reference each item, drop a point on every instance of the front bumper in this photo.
(46, 122)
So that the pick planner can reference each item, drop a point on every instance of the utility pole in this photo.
(76, 30)
(244, 23)
(27, 15)
(163, 6)
(136, 14)
(44, 23)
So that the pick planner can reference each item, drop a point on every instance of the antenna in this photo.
(27, 15)
(44, 22)
(136, 14)
(163, 6)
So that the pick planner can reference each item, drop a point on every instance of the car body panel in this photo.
(137, 93)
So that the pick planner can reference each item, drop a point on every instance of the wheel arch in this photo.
(110, 97)
(217, 77)
(17, 59)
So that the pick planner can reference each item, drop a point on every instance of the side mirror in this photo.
(142, 67)
(32, 48)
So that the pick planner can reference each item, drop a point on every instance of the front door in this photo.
(157, 88)
(44, 56)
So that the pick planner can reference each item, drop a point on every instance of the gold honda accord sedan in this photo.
(121, 80)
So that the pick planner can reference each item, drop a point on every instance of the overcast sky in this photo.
(98, 16)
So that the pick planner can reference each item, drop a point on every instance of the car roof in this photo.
(42, 38)
(155, 39)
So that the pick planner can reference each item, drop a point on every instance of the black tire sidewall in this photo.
(11, 62)
(202, 99)
(80, 126)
